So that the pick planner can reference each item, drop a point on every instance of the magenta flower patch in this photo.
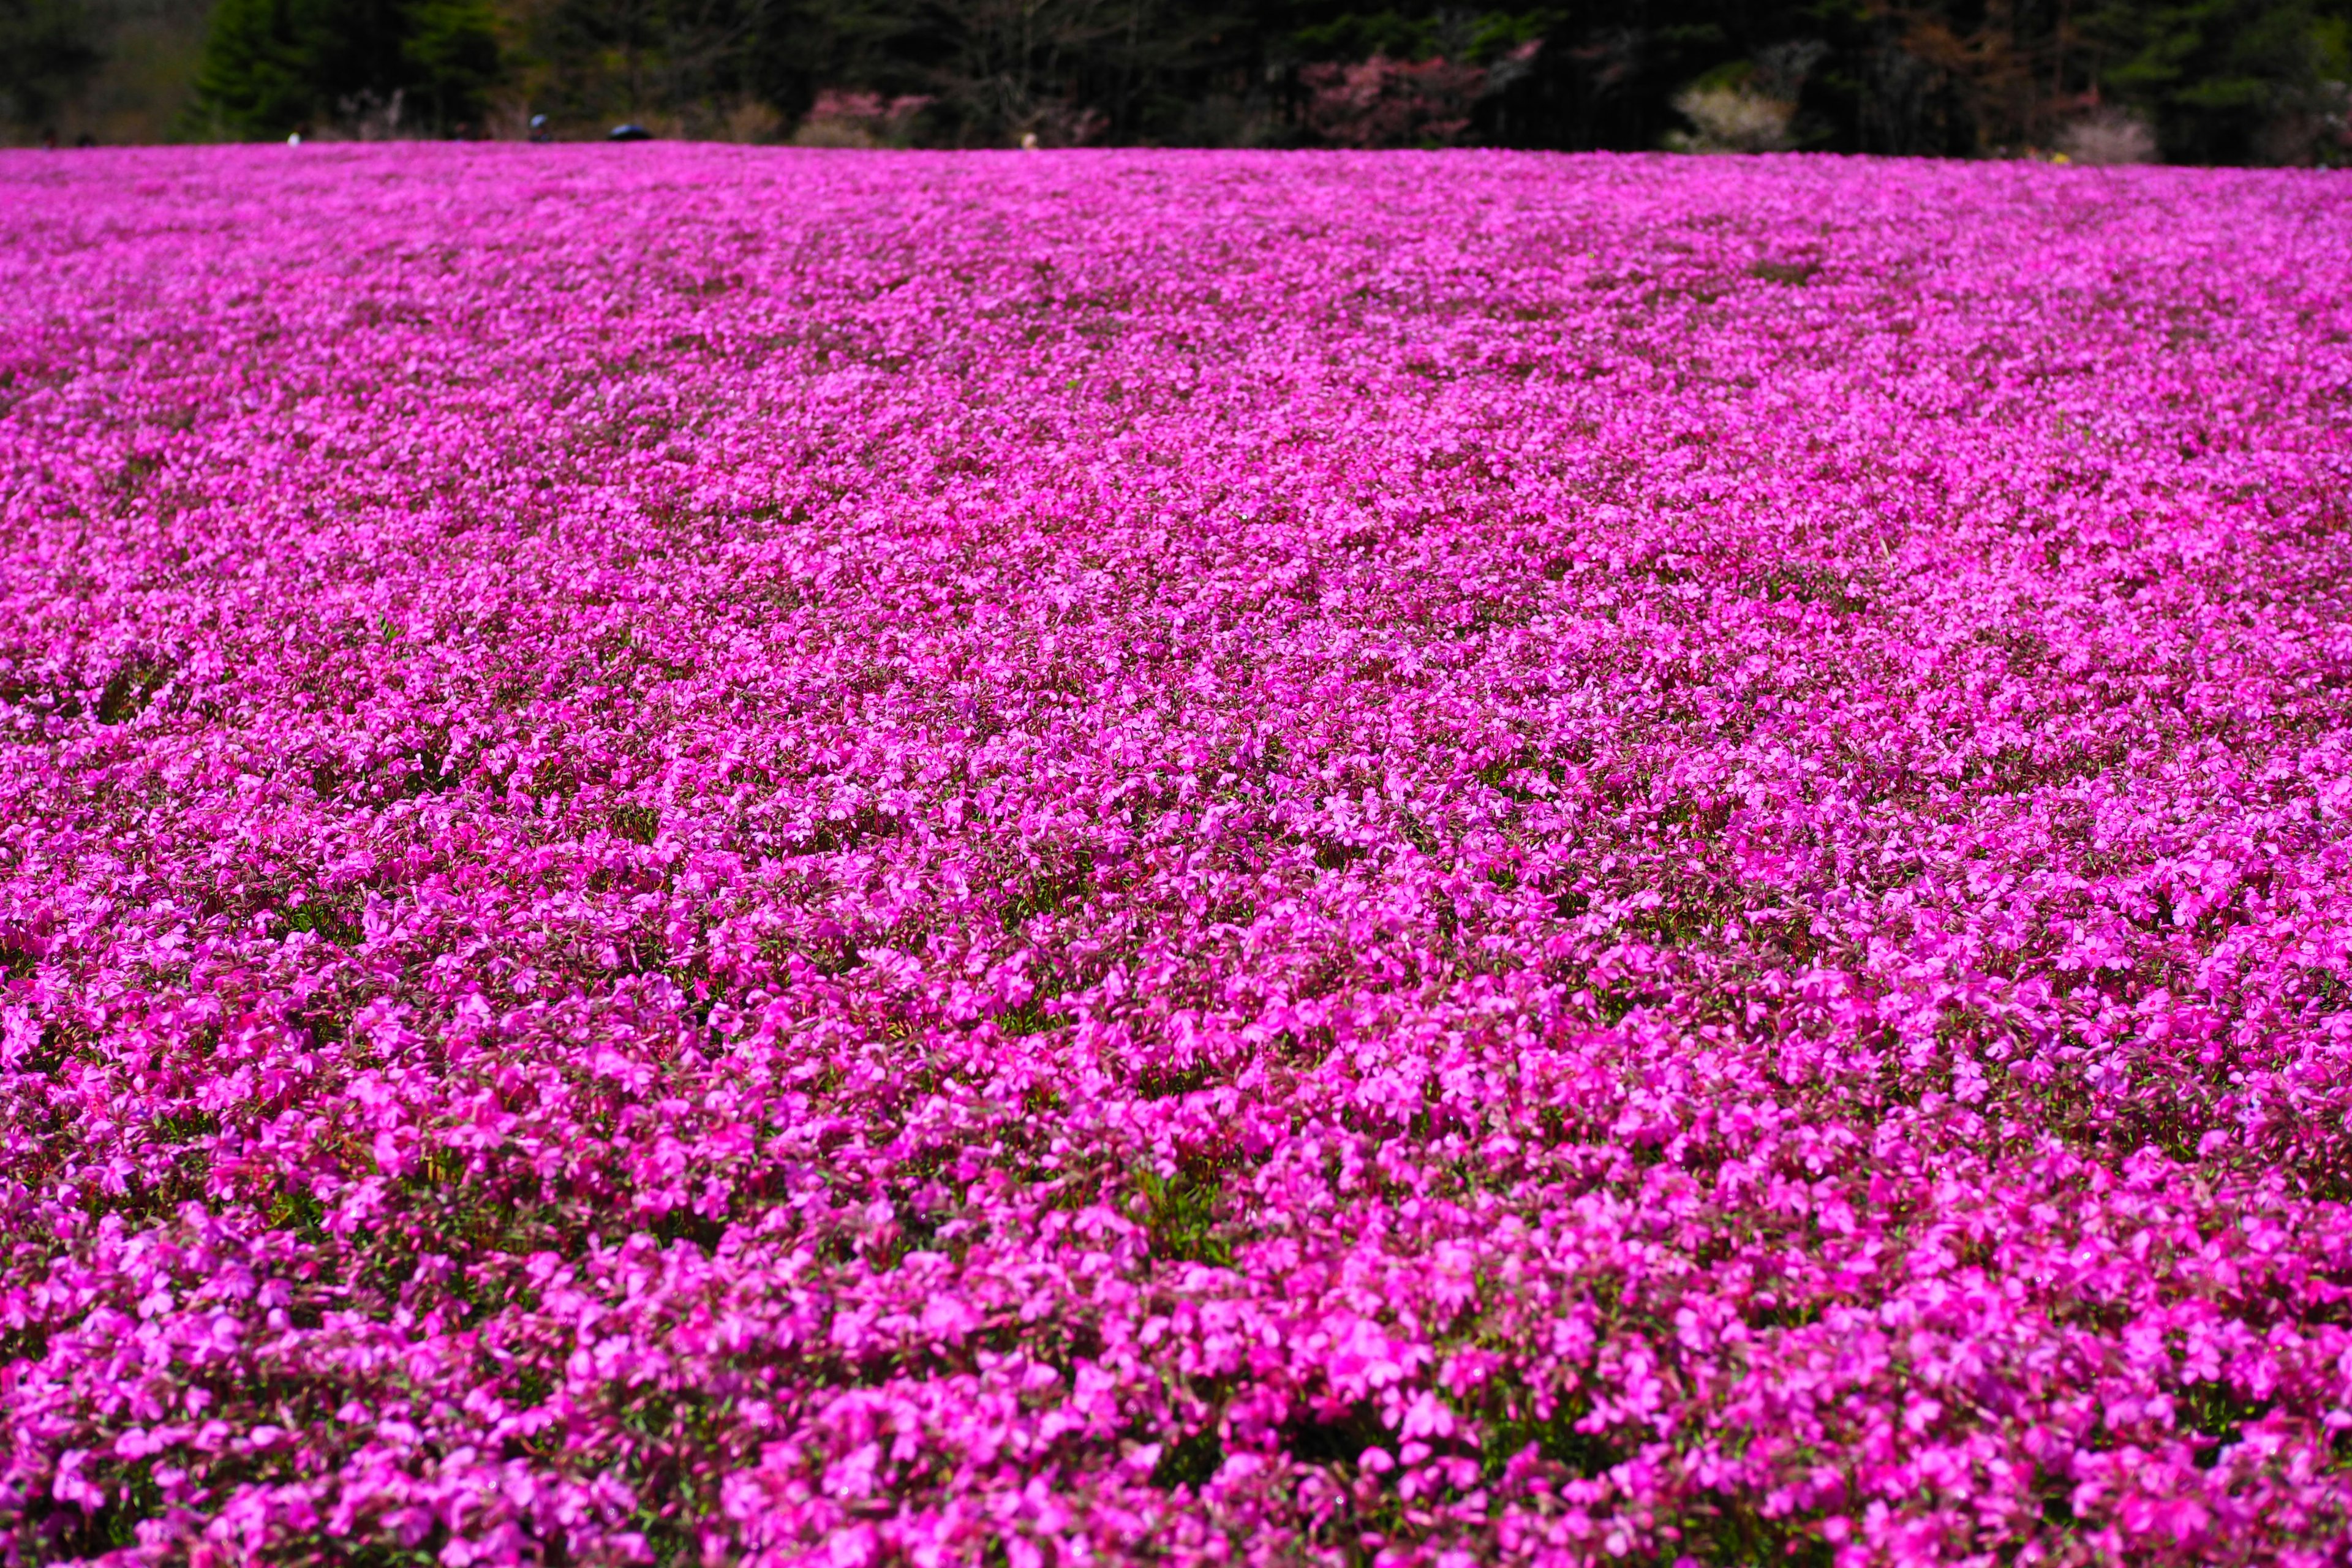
(731, 856)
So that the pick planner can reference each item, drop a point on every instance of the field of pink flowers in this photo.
(728, 856)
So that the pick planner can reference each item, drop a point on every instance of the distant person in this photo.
(49, 139)
(539, 130)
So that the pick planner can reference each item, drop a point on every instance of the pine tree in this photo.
(256, 78)
(274, 66)
(2225, 81)
(452, 54)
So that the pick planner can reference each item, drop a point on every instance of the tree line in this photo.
(2210, 82)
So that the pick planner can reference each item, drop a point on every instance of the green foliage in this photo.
(451, 50)
(2224, 80)
(1189, 1460)
(1182, 1217)
(130, 689)
(272, 67)
(605, 61)
(637, 823)
(2215, 80)
(1477, 37)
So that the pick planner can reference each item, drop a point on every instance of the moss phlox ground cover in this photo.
(734, 855)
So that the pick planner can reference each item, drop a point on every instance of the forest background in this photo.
(2212, 81)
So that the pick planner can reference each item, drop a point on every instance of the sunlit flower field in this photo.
(726, 856)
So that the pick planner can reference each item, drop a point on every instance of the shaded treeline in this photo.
(2203, 82)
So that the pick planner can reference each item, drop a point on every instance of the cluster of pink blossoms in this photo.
(713, 855)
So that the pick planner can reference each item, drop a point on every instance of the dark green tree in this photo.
(274, 66)
(2225, 81)
(259, 77)
(592, 61)
(452, 58)
(2218, 80)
